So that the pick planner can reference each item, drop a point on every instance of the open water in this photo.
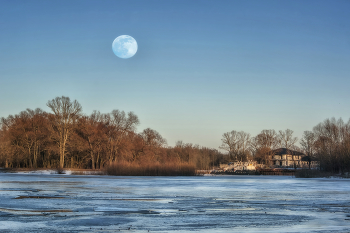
(73, 203)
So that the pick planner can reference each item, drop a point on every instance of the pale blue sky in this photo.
(202, 68)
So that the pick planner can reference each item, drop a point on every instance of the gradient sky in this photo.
(202, 68)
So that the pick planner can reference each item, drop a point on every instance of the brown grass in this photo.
(124, 168)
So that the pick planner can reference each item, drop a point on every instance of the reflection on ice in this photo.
(36, 211)
(104, 209)
(39, 197)
(145, 199)
(223, 210)
(18, 225)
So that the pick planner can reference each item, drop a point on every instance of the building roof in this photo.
(285, 151)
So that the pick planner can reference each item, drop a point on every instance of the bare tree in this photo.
(307, 143)
(90, 129)
(152, 138)
(117, 126)
(153, 144)
(25, 134)
(38, 131)
(5, 143)
(244, 144)
(230, 143)
(237, 144)
(286, 139)
(268, 139)
(254, 146)
(333, 145)
(65, 115)
(263, 143)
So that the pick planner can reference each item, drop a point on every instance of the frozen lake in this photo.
(72, 203)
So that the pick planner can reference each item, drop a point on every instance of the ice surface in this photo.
(46, 202)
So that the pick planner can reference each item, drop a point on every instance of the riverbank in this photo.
(298, 173)
(114, 170)
(314, 173)
(53, 171)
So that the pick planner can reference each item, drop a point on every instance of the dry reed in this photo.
(124, 168)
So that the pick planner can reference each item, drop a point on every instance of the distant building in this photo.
(239, 166)
(279, 158)
(283, 157)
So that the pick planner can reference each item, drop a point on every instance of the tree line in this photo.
(66, 138)
(242, 147)
(328, 143)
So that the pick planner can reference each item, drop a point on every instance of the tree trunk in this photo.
(92, 160)
(30, 164)
(98, 161)
(35, 156)
(62, 155)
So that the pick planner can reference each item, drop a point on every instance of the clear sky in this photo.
(203, 67)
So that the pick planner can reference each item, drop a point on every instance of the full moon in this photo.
(124, 46)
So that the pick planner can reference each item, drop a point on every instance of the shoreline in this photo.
(72, 171)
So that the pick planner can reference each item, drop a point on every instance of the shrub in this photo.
(311, 173)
